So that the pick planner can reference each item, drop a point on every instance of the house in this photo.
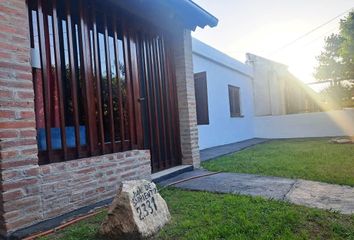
(92, 93)
(276, 91)
(224, 97)
(258, 99)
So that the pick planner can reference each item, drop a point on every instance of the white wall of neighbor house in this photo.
(221, 71)
(319, 124)
(268, 85)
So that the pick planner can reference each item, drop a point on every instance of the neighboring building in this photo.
(228, 94)
(276, 91)
(224, 95)
(92, 93)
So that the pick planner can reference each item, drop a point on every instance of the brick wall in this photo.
(71, 185)
(18, 148)
(43, 192)
(186, 98)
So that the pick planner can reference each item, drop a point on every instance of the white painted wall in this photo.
(320, 124)
(268, 85)
(223, 70)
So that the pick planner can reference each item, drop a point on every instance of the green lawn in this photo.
(311, 159)
(200, 215)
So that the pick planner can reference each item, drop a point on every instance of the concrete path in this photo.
(301, 192)
(214, 152)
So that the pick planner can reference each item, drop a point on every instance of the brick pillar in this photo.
(20, 202)
(186, 98)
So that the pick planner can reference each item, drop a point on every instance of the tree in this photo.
(336, 65)
(336, 61)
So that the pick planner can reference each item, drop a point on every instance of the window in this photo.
(234, 99)
(201, 98)
(83, 64)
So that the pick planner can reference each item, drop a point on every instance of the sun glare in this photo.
(300, 56)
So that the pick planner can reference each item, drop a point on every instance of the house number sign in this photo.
(144, 200)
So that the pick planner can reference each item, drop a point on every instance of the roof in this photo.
(192, 14)
(168, 12)
(203, 50)
(252, 58)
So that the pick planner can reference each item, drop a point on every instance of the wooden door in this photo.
(158, 102)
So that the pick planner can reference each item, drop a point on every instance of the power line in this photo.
(317, 38)
(311, 31)
(321, 36)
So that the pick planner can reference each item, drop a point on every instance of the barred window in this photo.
(104, 82)
(82, 63)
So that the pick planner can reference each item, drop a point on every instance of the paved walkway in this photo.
(214, 152)
(301, 192)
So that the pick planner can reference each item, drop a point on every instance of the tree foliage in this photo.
(336, 64)
(336, 61)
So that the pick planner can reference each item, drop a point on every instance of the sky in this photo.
(263, 27)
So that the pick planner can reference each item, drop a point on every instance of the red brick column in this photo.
(186, 98)
(20, 202)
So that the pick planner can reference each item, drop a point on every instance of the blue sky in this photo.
(263, 26)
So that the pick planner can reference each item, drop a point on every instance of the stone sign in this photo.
(138, 211)
(342, 140)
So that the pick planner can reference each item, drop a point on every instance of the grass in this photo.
(201, 215)
(311, 159)
(83, 230)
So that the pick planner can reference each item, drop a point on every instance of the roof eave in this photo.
(199, 16)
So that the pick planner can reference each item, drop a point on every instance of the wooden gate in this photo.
(159, 101)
